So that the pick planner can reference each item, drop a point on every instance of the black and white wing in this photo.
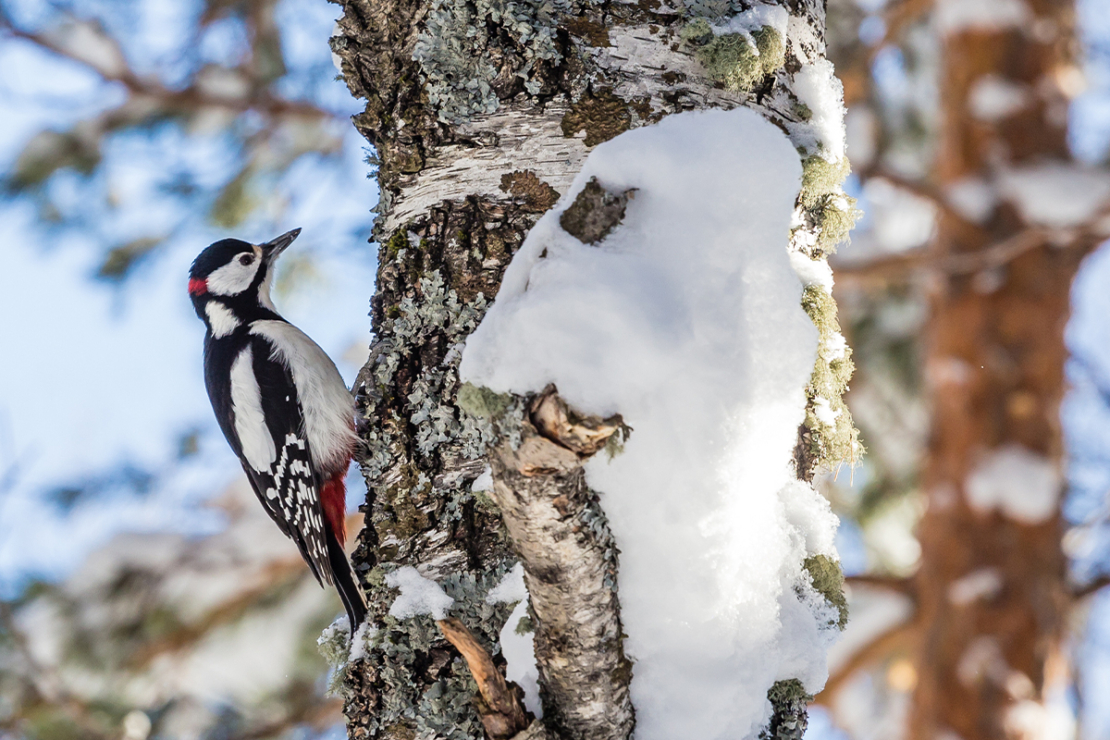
(262, 420)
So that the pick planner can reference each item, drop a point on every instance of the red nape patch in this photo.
(333, 499)
(198, 286)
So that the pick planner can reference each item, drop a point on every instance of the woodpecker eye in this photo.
(246, 259)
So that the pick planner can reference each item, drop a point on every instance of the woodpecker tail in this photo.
(345, 583)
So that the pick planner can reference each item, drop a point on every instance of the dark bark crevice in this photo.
(595, 212)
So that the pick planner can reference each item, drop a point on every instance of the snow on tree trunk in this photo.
(675, 260)
(687, 322)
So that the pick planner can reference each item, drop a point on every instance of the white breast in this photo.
(250, 422)
(326, 404)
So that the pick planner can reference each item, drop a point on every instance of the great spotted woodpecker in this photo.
(281, 403)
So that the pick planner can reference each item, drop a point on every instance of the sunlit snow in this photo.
(954, 16)
(687, 320)
(1016, 481)
(419, 595)
(1056, 194)
(517, 645)
(817, 86)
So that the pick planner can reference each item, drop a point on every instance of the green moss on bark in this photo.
(829, 444)
(821, 178)
(482, 402)
(789, 711)
(832, 213)
(739, 61)
(828, 580)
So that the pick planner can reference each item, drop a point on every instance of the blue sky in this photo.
(98, 374)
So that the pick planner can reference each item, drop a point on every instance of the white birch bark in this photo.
(481, 114)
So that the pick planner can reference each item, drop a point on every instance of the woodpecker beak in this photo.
(271, 249)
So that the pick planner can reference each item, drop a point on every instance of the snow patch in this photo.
(753, 19)
(955, 16)
(861, 135)
(824, 412)
(517, 643)
(972, 198)
(1021, 484)
(982, 659)
(339, 629)
(362, 640)
(836, 346)
(1053, 720)
(483, 482)
(899, 219)
(220, 82)
(87, 42)
(810, 514)
(1056, 194)
(817, 86)
(686, 320)
(511, 588)
(993, 98)
(419, 595)
(811, 271)
(137, 725)
(874, 611)
(518, 647)
(984, 583)
(336, 60)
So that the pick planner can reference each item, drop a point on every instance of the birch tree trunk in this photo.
(480, 115)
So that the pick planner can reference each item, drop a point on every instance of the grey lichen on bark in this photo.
(480, 114)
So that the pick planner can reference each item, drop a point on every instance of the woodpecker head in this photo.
(231, 277)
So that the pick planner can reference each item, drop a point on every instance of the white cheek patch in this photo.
(250, 422)
(220, 318)
(233, 278)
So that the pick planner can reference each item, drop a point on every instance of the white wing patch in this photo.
(250, 422)
(326, 404)
(233, 278)
(294, 493)
(220, 318)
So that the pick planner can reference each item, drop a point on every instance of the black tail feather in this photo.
(345, 584)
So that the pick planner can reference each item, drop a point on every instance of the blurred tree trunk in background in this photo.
(990, 598)
(992, 587)
(480, 115)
